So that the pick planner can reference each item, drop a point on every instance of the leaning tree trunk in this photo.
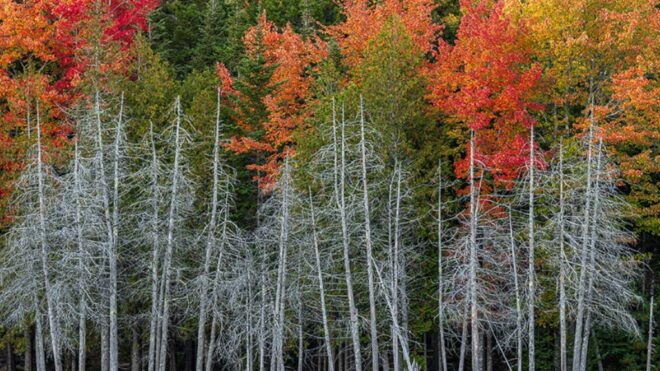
(319, 272)
(50, 301)
(339, 177)
(209, 243)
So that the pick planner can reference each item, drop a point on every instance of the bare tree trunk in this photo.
(170, 240)
(649, 345)
(209, 242)
(216, 283)
(367, 232)
(280, 294)
(11, 361)
(82, 325)
(530, 258)
(104, 347)
(474, 314)
(464, 331)
(592, 258)
(514, 264)
(489, 352)
(340, 199)
(50, 301)
(441, 311)
(29, 348)
(579, 319)
(40, 349)
(319, 272)
(135, 350)
(114, 342)
(153, 326)
(562, 263)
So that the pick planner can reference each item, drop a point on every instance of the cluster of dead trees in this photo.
(113, 249)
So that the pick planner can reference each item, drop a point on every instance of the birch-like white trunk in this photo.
(649, 344)
(209, 241)
(82, 319)
(519, 319)
(339, 169)
(441, 310)
(591, 266)
(216, 283)
(50, 301)
(562, 264)
(530, 257)
(579, 318)
(319, 272)
(114, 341)
(155, 257)
(170, 240)
(472, 279)
(277, 356)
(367, 234)
(40, 349)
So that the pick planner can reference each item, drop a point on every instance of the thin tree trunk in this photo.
(579, 319)
(40, 349)
(367, 232)
(592, 258)
(135, 350)
(474, 314)
(104, 347)
(530, 258)
(514, 264)
(277, 354)
(153, 326)
(464, 331)
(82, 326)
(340, 199)
(489, 352)
(114, 342)
(599, 359)
(11, 360)
(210, 240)
(649, 344)
(562, 264)
(214, 292)
(170, 239)
(29, 348)
(441, 312)
(319, 271)
(50, 301)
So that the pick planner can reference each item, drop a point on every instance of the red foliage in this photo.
(486, 81)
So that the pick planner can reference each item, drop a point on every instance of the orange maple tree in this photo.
(486, 81)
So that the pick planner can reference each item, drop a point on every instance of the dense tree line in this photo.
(316, 185)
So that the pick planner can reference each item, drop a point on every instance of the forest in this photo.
(329, 185)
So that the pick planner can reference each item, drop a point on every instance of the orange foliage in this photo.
(364, 22)
(292, 57)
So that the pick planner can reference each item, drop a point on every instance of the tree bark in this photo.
(341, 204)
(367, 232)
(210, 240)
